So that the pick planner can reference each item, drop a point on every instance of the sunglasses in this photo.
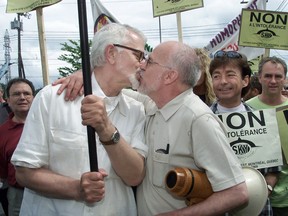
(138, 53)
(228, 54)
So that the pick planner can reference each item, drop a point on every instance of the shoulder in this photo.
(247, 106)
(130, 103)
(252, 100)
(195, 106)
(49, 93)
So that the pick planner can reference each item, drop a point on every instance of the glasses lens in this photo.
(139, 55)
(219, 54)
(233, 54)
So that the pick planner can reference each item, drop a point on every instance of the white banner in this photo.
(254, 137)
(227, 39)
(102, 17)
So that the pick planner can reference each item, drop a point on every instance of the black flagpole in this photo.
(84, 44)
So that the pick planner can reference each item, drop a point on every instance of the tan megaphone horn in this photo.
(195, 187)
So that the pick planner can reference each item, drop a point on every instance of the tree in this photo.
(72, 56)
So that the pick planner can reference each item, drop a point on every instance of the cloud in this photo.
(61, 24)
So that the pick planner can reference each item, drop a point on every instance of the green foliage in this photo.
(72, 56)
(148, 48)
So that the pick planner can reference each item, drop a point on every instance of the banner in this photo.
(164, 7)
(22, 6)
(101, 15)
(265, 29)
(227, 39)
(282, 118)
(254, 137)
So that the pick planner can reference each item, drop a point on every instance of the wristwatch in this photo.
(114, 138)
(270, 188)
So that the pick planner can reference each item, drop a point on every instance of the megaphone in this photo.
(257, 192)
(195, 187)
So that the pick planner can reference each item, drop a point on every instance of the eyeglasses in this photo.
(18, 94)
(138, 53)
(150, 61)
(229, 54)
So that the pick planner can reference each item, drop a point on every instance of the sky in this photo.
(199, 26)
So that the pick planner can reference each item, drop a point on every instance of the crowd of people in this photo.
(168, 122)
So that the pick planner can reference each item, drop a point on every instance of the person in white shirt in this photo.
(52, 159)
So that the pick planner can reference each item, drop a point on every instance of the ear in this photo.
(110, 53)
(245, 81)
(255, 91)
(171, 76)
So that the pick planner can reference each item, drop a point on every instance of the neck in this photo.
(230, 103)
(19, 118)
(108, 84)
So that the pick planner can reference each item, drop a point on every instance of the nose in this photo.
(273, 79)
(223, 79)
(143, 64)
(22, 96)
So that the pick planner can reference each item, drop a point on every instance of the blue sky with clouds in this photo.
(61, 23)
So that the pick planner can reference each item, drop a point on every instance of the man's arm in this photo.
(217, 204)
(89, 188)
(126, 161)
(73, 85)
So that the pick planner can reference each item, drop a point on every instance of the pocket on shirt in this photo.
(68, 153)
(69, 139)
(160, 168)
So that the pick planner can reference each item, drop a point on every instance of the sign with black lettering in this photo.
(267, 29)
(282, 119)
(254, 137)
(164, 7)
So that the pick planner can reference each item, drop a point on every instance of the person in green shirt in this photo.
(272, 76)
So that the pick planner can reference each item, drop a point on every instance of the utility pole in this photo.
(17, 24)
(5, 68)
(7, 54)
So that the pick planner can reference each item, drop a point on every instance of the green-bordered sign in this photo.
(267, 29)
(22, 6)
(164, 7)
(282, 118)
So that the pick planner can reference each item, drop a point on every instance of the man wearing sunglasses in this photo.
(231, 74)
(52, 159)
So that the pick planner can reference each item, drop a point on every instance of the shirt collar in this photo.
(110, 102)
(172, 106)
